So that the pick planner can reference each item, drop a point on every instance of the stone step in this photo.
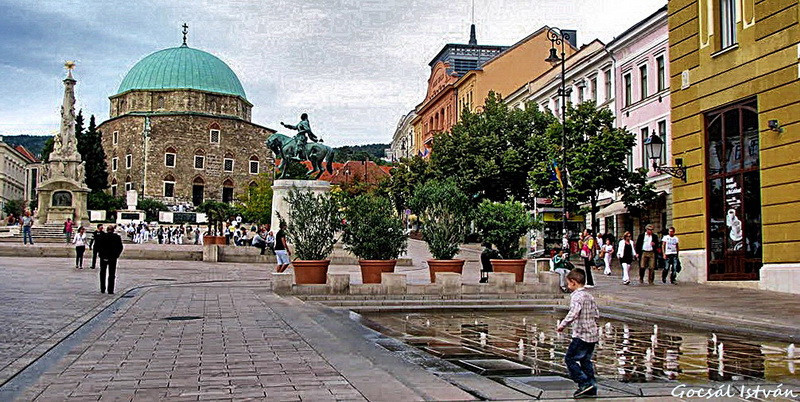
(441, 303)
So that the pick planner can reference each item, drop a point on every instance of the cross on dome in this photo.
(185, 31)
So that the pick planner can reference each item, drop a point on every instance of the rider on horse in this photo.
(303, 129)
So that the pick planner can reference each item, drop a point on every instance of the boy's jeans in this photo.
(26, 235)
(671, 268)
(579, 362)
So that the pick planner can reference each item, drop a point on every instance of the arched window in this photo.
(214, 133)
(254, 164)
(169, 186)
(227, 191)
(198, 190)
(170, 155)
(199, 159)
(227, 162)
(113, 187)
(128, 184)
(160, 102)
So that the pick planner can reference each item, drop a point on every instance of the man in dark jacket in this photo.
(95, 240)
(647, 245)
(110, 247)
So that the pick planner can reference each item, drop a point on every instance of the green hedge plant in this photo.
(373, 231)
(503, 224)
(444, 211)
(312, 223)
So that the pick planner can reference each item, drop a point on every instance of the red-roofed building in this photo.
(354, 172)
(16, 179)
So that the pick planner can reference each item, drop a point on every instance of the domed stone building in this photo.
(180, 131)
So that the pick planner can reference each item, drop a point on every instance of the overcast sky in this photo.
(355, 66)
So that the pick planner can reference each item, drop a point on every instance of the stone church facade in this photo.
(179, 131)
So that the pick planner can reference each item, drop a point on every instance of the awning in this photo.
(615, 208)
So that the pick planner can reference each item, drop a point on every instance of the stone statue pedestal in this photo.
(280, 190)
(131, 215)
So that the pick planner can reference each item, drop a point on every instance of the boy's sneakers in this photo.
(585, 392)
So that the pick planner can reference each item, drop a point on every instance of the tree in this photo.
(100, 200)
(490, 153)
(16, 207)
(79, 125)
(90, 147)
(405, 178)
(596, 161)
(216, 213)
(256, 205)
(151, 208)
(47, 149)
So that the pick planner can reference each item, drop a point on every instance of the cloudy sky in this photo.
(356, 66)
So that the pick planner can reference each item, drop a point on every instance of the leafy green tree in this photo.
(151, 208)
(47, 149)
(409, 174)
(312, 223)
(216, 213)
(445, 214)
(101, 200)
(596, 161)
(503, 224)
(373, 231)
(16, 207)
(490, 153)
(91, 149)
(256, 205)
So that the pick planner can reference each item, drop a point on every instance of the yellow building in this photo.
(505, 73)
(736, 125)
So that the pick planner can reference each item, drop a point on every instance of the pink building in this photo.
(642, 105)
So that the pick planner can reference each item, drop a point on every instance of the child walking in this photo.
(583, 317)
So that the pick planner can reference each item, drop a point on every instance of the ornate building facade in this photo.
(180, 131)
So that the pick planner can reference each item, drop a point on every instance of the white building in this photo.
(14, 174)
(403, 138)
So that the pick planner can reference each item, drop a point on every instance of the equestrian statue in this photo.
(298, 149)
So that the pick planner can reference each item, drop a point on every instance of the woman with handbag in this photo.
(588, 247)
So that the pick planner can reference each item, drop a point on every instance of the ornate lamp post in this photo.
(655, 146)
(560, 38)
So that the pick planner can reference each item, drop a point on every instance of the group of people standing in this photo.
(104, 244)
(649, 250)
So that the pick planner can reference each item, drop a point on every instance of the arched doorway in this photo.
(227, 191)
(198, 189)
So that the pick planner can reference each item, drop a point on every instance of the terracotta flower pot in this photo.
(435, 266)
(371, 270)
(214, 240)
(311, 272)
(515, 266)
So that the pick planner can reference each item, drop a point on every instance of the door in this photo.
(734, 193)
(197, 194)
(227, 195)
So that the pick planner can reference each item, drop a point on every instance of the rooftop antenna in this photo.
(185, 31)
(473, 40)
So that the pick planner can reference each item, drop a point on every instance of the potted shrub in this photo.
(374, 233)
(216, 213)
(444, 213)
(503, 224)
(312, 223)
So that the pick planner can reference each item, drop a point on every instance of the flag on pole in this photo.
(557, 173)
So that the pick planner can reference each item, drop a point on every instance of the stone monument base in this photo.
(280, 190)
(126, 217)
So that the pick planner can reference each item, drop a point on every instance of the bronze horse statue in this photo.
(282, 145)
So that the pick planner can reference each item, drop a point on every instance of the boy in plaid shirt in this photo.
(583, 316)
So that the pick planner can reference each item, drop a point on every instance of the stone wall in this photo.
(180, 101)
(186, 135)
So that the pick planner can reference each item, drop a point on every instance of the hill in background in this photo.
(33, 143)
(374, 152)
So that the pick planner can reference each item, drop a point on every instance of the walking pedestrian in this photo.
(110, 249)
(80, 246)
(646, 245)
(626, 253)
(583, 315)
(671, 247)
(588, 249)
(68, 229)
(93, 244)
(608, 252)
(282, 251)
(27, 223)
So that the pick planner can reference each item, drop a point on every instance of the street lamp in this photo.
(560, 38)
(655, 146)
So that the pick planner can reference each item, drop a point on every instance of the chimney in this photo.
(573, 36)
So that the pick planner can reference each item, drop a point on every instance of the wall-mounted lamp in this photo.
(775, 126)
(654, 146)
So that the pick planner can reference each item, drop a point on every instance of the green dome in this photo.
(182, 68)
